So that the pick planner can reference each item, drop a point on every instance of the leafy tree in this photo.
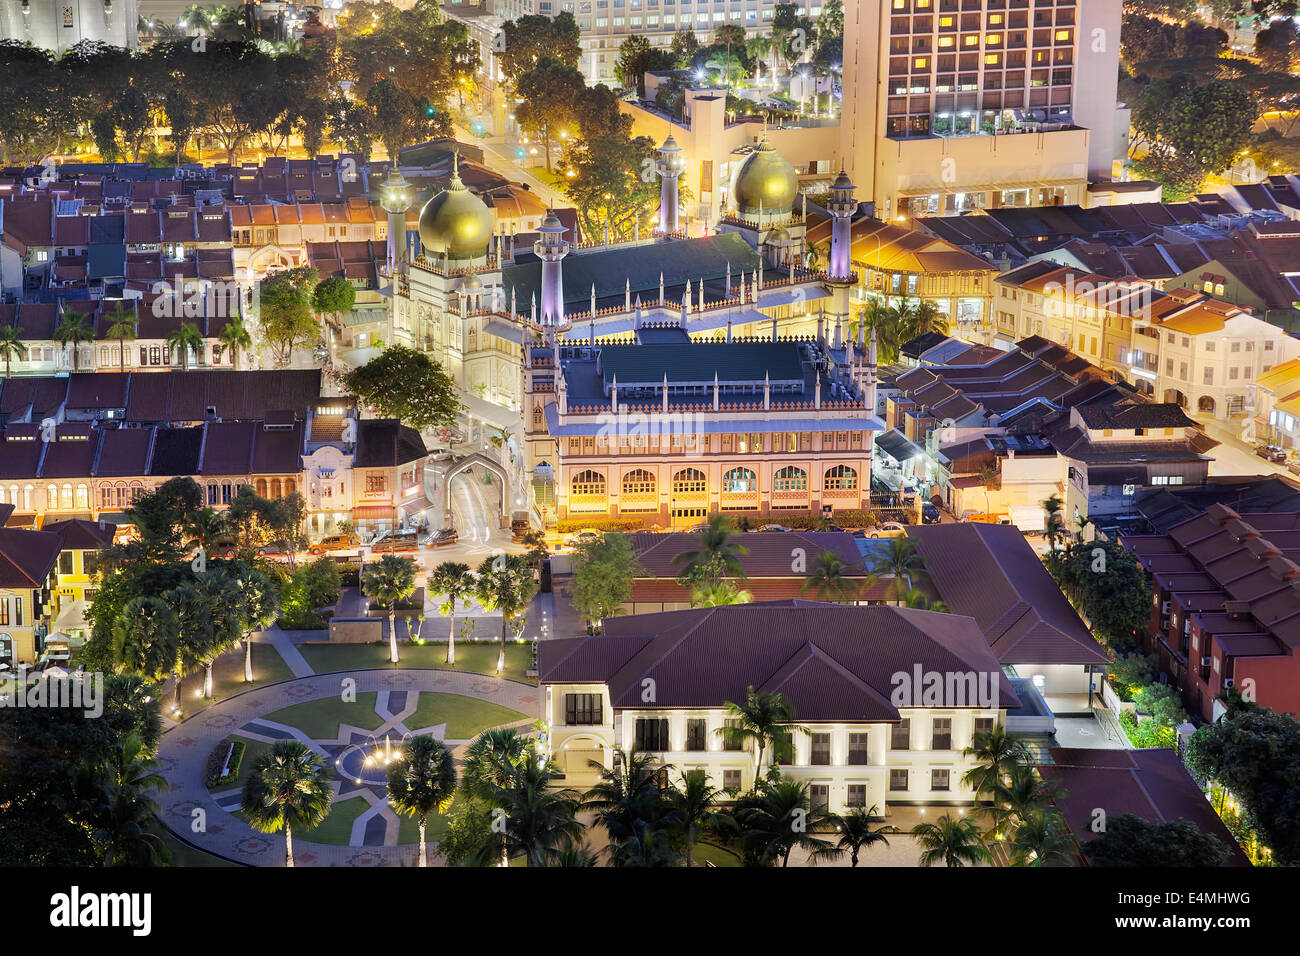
(607, 186)
(550, 93)
(719, 594)
(1275, 46)
(636, 57)
(387, 581)
(334, 295)
(529, 39)
(504, 584)
(830, 23)
(405, 384)
(285, 316)
(421, 783)
(1131, 841)
(1255, 754)
(456, 581)
(603, 572)
(352, 123)
(685, 45)
(313, 115)
(286, 788)
(761, 719)
(1104, 581)
(857, 833)
(401, 118)
(954, 842)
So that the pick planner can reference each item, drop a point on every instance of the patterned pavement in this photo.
(205, 819)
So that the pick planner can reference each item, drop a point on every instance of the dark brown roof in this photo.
(770, 552)
(1151, 784)
(992, 574)
(831, 662)
(81, 535)
(386, 442)
(26, 557)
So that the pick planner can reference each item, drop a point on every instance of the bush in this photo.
(213, 776)
(1129, 673)
(310, 588)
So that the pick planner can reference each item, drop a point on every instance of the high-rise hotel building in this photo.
(956, 105)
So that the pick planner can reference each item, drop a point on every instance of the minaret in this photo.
(396, 196)
(669, 167)
(551, 248)
(842, 206)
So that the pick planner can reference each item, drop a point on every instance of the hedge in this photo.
(217, 759)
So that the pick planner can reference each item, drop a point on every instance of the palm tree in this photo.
(422, 782)
(876, 315)
(144, 638)
(829, 579)
(1043, 840)
(235, 336)
(457, 582)
(208, 611)
(695, 805)
(717, 555)
(898, 562)
(195, 17)
(719, 594)
(73, 330)
(1017, 797)
(11, 345)
(131, 707)
(756, 48)
(121, 326)
(955, 842)
(1054, 521)
(991, 479)
(505, 583)
(387, 581)
(629, 798)
(258, 610)
(918, 599)
(539, 820)
(203, 528)
(997, 753)
(857, 833)
(183, 340)
(763, 719)
(126, 812)
(778, 817)
(286, 788)
(491, 761)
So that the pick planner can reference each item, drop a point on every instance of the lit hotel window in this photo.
(920, 63)
(995, 18)
(991, 59)
(1063, 34)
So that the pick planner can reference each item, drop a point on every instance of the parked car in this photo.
(397, 542)
(585, 536)
(441, 539)
(1270, 453)
(929, 514)
(275, 551)
(890, 529)
(335, 542)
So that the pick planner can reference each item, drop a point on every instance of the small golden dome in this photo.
(455, 222)
(766, 181)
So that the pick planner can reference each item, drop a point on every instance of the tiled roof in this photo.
(830, 662)
(26, 557)
(386, 442)
(80, 535)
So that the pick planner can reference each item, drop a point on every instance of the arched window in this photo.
(289, 487)
(790, 478)
(587, 483)
(2, 495)
(51, 497)
(28, 493)
(538, 417)
(275, 488)
(83, 496)
(67, 496)
(261, 487)
(639, 482)
(690, 481)
(740, 480)
(841, 477)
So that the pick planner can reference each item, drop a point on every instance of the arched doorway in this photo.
(1206, 405)
(1174, 397)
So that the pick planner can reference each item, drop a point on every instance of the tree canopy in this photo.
(406, 384)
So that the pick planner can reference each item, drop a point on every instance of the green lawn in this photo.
(435, 827)
(709, 853)
(337, 827)
(228, 678)
(474, 658)
(320, 719)
(465, 717)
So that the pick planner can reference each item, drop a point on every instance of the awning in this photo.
(417, 505)
(21, 521)
(72, 617)
(898, 446)
(374, 511)
(50, 518)
(114, 518)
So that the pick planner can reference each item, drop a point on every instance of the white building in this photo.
(59, 25)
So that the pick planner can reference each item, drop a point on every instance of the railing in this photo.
(452, 268)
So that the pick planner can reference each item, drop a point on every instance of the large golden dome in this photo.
(455, 223)
(765, 180)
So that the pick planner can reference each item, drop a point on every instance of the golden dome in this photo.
(455, 222)
(765, 180)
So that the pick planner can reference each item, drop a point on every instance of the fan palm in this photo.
(131, 707)
(456, 581)
(695, 805)
(717, 556)
(1017, 797)
(857, 833)
(73, 331)
(121, 326)
(539, 820)
(491, 760)
(286, 788)
(235, 336)
(506, 584)
(258, 610)
(954, 842)
(997, 753)
(898, 562)
(126, 811)
(778, 817)
(762, 719)
(144, 638)
(829, 579)
(208, 611)
(183, 340)
(11, 345)
(203, 528)
(421, 783)
(387, 581)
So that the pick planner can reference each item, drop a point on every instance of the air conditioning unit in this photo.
(1164, 608)
(1206, 661)
(1227, 682)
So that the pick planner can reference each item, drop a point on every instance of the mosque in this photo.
(624, 358)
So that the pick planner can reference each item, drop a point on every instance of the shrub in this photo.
(232, 749)
(310, 588)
